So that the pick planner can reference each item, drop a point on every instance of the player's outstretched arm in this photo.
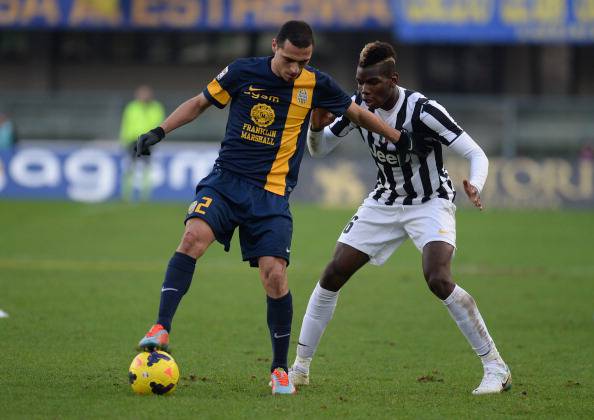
(371, 122)
(406, 142)
(183, 114)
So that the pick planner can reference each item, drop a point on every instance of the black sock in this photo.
(280, 315)
(177, 282)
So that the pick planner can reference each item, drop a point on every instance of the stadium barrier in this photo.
(92, 174)
(506, 126)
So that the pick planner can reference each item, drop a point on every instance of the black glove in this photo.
(421, 144)
(146, 140)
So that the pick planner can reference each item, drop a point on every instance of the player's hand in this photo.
(473, 194)
(421, 144)
(320, 118)
(146, 140)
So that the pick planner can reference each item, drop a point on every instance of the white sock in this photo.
(463, 309)
(319, 311)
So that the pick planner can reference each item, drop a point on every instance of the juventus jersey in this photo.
(416, 180)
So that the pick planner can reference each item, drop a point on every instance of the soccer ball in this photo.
(153, 373)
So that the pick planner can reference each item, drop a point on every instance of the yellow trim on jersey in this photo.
(300, 105)
(217, 92)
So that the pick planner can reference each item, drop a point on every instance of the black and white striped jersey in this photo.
(418, 179)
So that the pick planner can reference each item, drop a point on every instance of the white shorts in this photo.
(378, 230)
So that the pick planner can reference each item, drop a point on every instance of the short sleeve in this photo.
(329, 95)
(220, 90)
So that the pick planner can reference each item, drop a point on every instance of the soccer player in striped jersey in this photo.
(413, 198)
(270, 99)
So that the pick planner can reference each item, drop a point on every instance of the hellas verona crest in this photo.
(302, 96)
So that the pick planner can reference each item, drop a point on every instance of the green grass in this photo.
(81, 285)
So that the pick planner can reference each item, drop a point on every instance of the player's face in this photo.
(377, 89)
(289, 60)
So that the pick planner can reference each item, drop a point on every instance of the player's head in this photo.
(292, 47)
(376, 74)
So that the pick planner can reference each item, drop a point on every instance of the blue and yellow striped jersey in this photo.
(268, 119)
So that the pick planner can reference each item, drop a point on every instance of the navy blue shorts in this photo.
(225, 201)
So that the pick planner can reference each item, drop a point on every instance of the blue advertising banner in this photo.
(93, 174)
(468, 21)
(194, 15)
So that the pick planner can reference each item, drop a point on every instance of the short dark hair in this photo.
(378, 52)
(296, 31)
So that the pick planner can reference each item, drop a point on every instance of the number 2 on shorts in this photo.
(205, 204)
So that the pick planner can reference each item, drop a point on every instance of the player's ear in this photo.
(395, 78)
(274, 45)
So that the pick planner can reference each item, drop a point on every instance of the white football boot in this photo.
(299, 372)
(497, 378)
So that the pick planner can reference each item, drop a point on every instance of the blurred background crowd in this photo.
(518, 75)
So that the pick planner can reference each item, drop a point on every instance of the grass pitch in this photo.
(81, 285)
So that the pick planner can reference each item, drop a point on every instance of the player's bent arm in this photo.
(364, 118)
(186, 112)
(320, 143)
(466, 147)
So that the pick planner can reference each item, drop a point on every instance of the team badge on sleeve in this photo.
(222, 73)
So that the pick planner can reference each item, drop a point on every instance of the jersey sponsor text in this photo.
(416, 180)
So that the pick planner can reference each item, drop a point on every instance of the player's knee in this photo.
(276, 285)
(439, 282)
(191, 244)
(334, 277)
(275, 280)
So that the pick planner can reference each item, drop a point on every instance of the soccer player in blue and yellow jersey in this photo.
(270, 103)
